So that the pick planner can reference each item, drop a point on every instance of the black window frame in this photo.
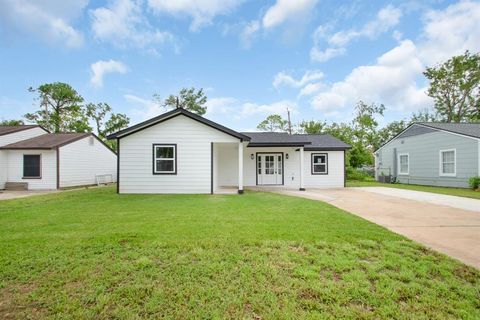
(154, 158)
(39, 166)
(312, 163)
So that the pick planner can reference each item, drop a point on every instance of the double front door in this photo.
(269, 168)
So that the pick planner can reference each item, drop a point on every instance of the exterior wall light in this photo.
(251, 156)
(286, 156)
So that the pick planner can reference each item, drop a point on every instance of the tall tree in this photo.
(60, 109)
(311, 127)
(273, 123)
(11, 122)
(424, 115)
(188, 98)
(365, 125)
(391, 130)
(106, 121)
(455, 87)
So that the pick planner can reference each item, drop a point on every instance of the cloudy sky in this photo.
(253, 58)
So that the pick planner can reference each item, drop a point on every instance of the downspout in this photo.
(118, 165)
(58, 168)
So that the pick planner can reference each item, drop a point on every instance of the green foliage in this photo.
(354, 174)
(93, 254)
(311, 127)
(11, 122)
(60, 109)
(474, 182)
(424, 115)
(455, 88)
(273, 123)
(391, 130)
(188, 98)
(99, 113)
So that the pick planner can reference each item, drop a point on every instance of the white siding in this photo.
(12, 138)
(335, 176)
(228, 167)
(80, 162)
(48, 168)
(193, 141)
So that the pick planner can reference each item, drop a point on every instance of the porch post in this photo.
(302, 173)
(240, 167)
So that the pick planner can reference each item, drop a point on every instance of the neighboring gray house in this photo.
(437, 154)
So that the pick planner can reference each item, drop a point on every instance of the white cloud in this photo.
(311, 88)
(48, 20)
(282, 78)
(101, 68)
(124, 24)
(202, 12)
(394, 78)
(248, 33)
(386, 18)
(144, 108)
(450, 32)
(284, 10)
(222, 105)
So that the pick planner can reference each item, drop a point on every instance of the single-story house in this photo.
(436, 154)
(32, 158)
(181, 152)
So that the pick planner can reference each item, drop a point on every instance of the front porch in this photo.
(236, 166)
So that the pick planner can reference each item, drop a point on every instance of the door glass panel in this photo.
(269, 165)
(279, 165)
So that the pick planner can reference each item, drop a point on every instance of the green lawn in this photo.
(93, 254)
(461, 192)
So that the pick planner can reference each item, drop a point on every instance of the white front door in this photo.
(269, 168)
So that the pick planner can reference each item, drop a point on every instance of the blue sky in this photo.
(253, 58)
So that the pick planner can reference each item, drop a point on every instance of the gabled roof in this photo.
(471, 130)
(46, 141)
(11, 129)
(311, 142)
(172, 114)
(466, 129)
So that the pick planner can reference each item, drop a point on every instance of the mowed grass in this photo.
(460, 192)
(93, 254)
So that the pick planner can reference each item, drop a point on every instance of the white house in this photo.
(32, 158)
(181, 152)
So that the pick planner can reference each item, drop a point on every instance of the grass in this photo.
(460, 192)
(93, 254)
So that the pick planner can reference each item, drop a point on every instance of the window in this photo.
(448, 165)
(164, 159)
(259, 164)
(319, 163)
(403, 161)
(31, 166)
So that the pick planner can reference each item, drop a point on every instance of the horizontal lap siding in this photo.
(336, 171)
(48, 168)
(193, 141)
(12, 138)
(81, 162)
(424, 158)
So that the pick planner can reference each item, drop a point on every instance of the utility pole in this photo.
(289, 122)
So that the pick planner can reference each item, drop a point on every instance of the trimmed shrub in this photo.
(354, 174)
(474, 182)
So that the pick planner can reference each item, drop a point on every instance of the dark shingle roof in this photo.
(47, 141)
(309, 141)
(467, 129)
(11, 129)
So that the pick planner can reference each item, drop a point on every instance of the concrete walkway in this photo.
(7, 195)
(441, 226)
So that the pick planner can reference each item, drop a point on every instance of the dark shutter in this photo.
(31, 165)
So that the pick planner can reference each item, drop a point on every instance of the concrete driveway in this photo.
(440, 222)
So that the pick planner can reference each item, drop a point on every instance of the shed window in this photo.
(164, 159)
(404, 166)
(31, 166)
(447, 163)
(319, 163)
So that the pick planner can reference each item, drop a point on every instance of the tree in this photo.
(424, 115)
(188, 99)
(273, 123)
(60, 109)
(455, 87)
(100, 112)
(391, 130)
(365, 125)
(11, 122)
(311, 127)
